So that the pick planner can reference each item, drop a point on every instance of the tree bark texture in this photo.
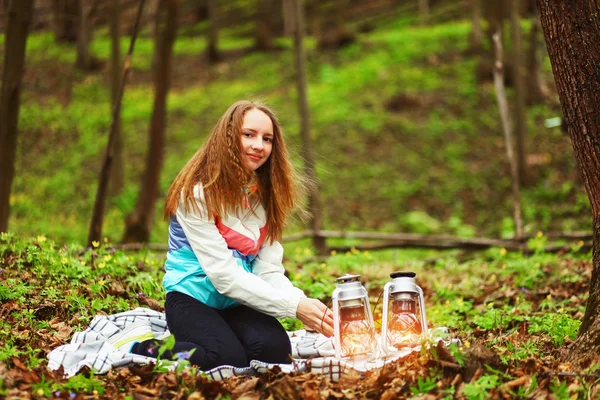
(305, 126)
(139, 223)
(95, 231)
(572, 32)
(17, 29)
(519, 104)
(117, 180)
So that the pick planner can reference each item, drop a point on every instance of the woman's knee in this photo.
(271, 349)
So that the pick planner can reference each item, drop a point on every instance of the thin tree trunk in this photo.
(520, 107)
(264, 25)
(95, 232)
(19, 18)
(476, 33)
(288, 17)
(572, 32)
(305, 126)
(153, 11)
(212, 48)
(84, 59)
(139, 223)
(507, 128)
(424, 12)
(117, 175)
(536, 87)
(331, 27)
(65, 17)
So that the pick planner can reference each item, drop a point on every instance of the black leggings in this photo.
(232, 336)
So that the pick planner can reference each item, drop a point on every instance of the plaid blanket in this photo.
(91, 348)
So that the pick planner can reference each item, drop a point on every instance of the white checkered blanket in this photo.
(311, 352)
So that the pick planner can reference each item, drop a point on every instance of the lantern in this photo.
(403, 318)
(354, 330)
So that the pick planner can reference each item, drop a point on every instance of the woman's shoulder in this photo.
(199, 191)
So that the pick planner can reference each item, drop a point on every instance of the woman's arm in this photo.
(314, 314)
(268, 266)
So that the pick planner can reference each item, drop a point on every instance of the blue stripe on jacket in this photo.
(184, 274)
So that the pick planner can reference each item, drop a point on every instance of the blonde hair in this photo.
(218, 167)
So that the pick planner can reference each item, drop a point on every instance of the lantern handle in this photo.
(402, 274)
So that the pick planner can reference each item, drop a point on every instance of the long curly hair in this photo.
(218, 166)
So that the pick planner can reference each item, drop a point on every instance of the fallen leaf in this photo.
(244, 387)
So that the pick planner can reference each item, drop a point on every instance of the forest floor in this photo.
(515, 316)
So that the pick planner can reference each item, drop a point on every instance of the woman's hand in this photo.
(315, 316)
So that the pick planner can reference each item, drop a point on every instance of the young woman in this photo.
(224, 277)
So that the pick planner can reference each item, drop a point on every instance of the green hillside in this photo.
(406, 138)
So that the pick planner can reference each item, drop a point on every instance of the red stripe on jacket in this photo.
(236, 240)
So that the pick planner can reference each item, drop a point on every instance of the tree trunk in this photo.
(139, 223)
(507, 129)
(84, 60)
(17, 29)
(424, 11)
(212, 48)
(264, 25)
(330, 26)
(476, 33)
(65, 18)
(305, 126)
(117, 174)
(536, 87)
(520, 107)
(572, 32)
(95, 232)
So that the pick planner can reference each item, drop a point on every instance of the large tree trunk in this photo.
(305, 126)
(572, 32)
(139, 223)
(65, 18)
(17, 29)
(117, 175)
(520, 108)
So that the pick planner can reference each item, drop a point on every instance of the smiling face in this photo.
(257, 138)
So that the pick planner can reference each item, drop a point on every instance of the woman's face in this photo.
(257, 138)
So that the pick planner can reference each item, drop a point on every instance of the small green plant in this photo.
(560, 390)
(479, 389)
(458, 354)
(424, 385)
(556, 325)
(81, 383)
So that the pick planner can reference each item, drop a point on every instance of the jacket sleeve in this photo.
(269, 267)
(219, 265)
